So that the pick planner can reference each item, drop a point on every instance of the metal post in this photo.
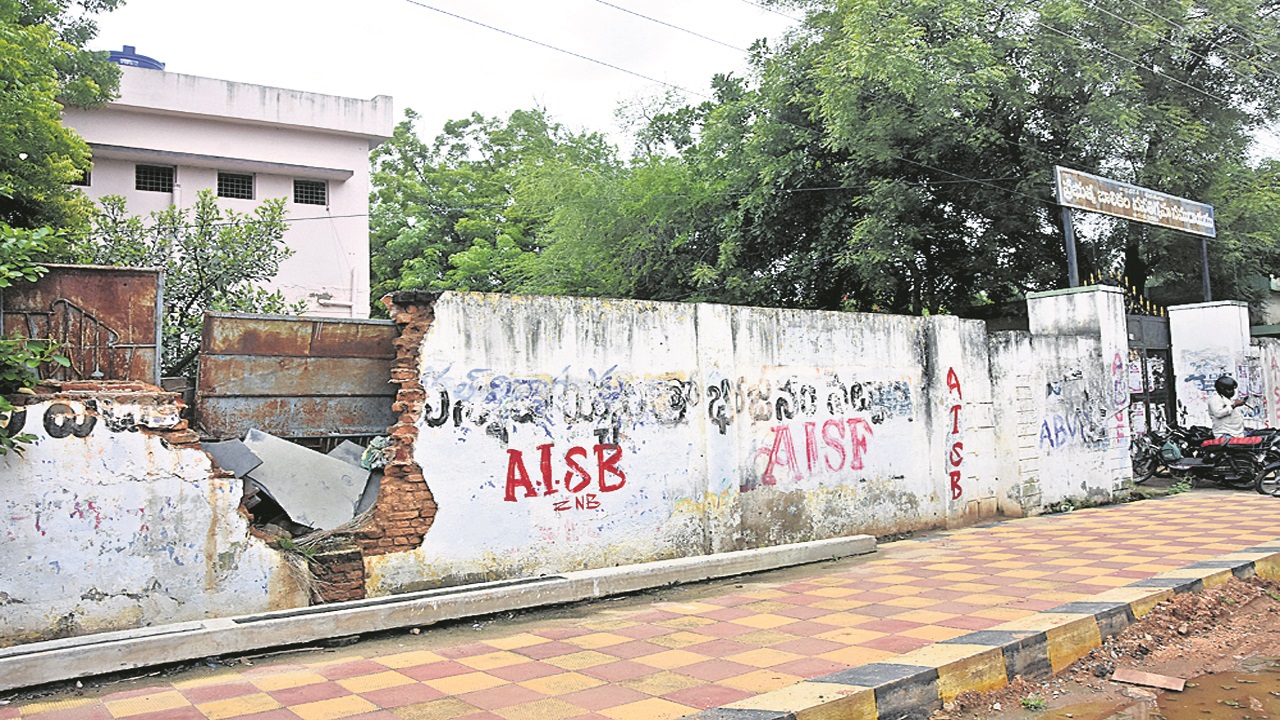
(1204, 268)
(1073, 269)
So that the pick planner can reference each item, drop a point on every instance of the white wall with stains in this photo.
(564, 433)
(1210, 340)
(106, 527)
(1064, 401)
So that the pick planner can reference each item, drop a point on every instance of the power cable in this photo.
(558, 49)
(673, 27)
(1188, 49)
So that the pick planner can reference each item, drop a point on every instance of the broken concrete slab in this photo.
(348, 452)
(233, 456)
(314, 489)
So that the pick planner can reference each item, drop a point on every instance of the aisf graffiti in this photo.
(844, 444)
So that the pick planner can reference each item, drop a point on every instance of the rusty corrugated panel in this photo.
(105, 318)
(295, 377)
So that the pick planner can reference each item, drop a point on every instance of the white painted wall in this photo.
(110, 529)
(734, 427)
(201, 125)
(1210, 340)
(1063, 412)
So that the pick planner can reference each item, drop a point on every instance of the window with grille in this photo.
(310, 192)
(83, 180)
(232, 185)
(153, 178)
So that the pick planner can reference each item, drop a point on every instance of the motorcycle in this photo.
(1194, 454)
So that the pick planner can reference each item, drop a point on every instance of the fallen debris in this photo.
(1138, 677)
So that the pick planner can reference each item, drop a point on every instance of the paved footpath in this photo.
(889, 634)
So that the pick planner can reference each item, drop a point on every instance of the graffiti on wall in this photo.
(844, 447)
(605, 400)
(1275, 391)
(955, 434)
(1073, 416)
(1119, 399)
(782, 402)
(579, 484)
(1203, 369)
(813, 427)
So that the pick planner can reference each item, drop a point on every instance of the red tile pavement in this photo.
(671, 658)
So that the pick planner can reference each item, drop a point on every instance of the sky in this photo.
(444, 67)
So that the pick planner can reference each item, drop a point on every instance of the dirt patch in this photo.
(1189, 635)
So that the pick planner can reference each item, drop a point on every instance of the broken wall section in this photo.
(115, 519)
(560, 433)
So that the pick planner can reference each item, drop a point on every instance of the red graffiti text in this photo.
(833, 445)
(576, 479)
(955, 436)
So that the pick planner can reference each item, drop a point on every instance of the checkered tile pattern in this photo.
(671, 659)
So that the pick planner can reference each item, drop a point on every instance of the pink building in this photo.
(169, 136)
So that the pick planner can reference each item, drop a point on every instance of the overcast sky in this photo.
(444, 67)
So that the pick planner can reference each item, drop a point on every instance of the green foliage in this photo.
(1033, 703)
(886, 155)
(212, 259)
(897, 154)
(1180, 486)
(21, 358)
(44, 66)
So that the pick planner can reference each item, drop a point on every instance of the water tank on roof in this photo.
(129, 56)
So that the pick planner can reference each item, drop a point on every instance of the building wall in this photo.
(112, 522)
(201, 126)
(589, 433)
(542, 435)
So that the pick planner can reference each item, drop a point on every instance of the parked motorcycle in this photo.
(1194, 454)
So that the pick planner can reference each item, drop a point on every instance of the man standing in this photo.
(1228, 421)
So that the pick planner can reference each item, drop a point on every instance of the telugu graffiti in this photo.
(498, 403)
(786, 400)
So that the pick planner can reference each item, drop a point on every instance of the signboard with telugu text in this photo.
(1110, 197)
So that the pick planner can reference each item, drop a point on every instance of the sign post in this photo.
(1093, 193)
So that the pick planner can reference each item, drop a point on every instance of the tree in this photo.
(20, 358)
(44, 66)
(897, 154)
(212, 259)
(444, 215)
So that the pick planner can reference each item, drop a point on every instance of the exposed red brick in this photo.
(406, 508)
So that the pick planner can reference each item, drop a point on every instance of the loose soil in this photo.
(1230, 628)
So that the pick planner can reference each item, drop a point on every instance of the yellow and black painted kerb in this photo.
(918, 683)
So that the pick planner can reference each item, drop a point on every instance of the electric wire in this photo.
(549, 46)
(961, 178)
(673, 27)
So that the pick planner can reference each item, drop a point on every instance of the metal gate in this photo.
(1151, 393)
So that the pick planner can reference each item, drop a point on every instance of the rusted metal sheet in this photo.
(105, 318)
(264, 375)
(244, 334)
(295, 417)
(295, 377)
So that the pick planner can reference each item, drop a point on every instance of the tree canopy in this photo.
(44, 66)
(213, 260)
(887, 155)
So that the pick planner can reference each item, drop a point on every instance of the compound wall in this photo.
(108, 524)
(560, 433)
